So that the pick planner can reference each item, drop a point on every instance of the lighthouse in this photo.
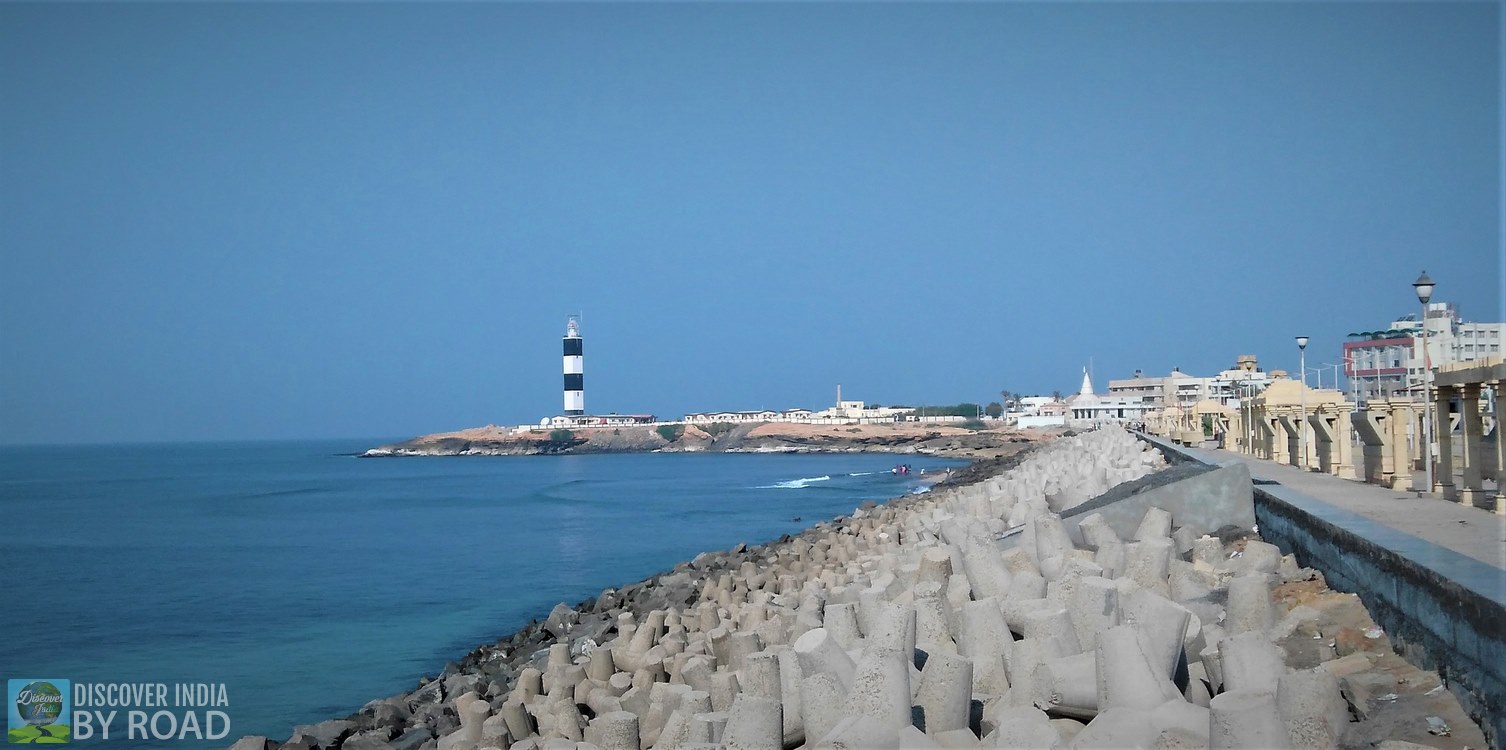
(575, 384)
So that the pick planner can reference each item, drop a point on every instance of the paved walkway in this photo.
(1472, 532)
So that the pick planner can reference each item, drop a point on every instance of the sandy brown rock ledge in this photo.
(768, 437)
(905, 626)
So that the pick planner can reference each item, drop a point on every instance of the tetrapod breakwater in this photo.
(971, 616)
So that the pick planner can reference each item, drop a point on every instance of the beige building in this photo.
(1183, 391)
(1293, 424)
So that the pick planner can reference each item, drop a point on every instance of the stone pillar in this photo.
(1292, 442)
(1344, 456)
(1399, 464)
(1419, 435)
(1443, 474)
(1375, 431)
(1312, 438)
(1500, 415)
(1472, 493)
(1323, 440)
(1257, 431)
(1280, 441)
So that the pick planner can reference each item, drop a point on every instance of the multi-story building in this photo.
(1182, 390)
(1383, 363)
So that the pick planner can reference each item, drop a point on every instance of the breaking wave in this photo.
(795, 484)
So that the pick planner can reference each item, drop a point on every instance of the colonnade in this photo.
(1272, 426)
(1478, 458)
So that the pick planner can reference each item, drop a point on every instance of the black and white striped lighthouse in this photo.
(575, 383)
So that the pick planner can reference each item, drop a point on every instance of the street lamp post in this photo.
(1302, 426)
(1424, 287)
(1320, 368)
(1249, 404)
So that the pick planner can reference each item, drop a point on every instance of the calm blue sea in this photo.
(309, 581)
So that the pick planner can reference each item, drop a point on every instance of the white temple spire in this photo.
(1087, 384)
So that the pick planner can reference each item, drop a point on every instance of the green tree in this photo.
(994, 409)
(965, 409)
(561, 436)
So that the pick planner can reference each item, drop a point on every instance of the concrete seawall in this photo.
(1442, 610)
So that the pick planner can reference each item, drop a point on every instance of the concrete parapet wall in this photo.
(1204, 502)
(1441, 610)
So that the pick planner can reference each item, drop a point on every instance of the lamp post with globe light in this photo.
(1302, 423)
(1424, 287)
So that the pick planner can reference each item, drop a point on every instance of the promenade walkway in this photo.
(1472, 532)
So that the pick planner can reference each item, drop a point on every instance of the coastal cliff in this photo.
(767, 437)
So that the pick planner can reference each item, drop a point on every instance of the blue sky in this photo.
(228, 221)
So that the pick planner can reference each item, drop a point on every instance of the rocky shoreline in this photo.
(766, 437)
(905, 625)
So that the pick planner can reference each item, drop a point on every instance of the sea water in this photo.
(307, 582)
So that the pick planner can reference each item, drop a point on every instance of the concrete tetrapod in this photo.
(1126, 677)
(841, 621)
(1250, 662)
(822, 700)
(894, 628)
(946, 692)
(789, 681)
(1021, 728)
(1094, 608)
(1095, 532)
(881, 688)
(1249, 607)
(1051, 623)
(1241, 719)
(614, 731)
(1161, 625)
(986, 639)
(819, 653)
(1154, 524)
(986, 573)
(1116, 728)
(754, 724)
(1312, 708)
(933, 631)
(760, 676)
(1069, 685)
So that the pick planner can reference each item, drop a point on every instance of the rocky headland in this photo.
(766, 437)
(914, 625)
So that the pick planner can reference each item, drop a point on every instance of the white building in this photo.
(736, 417)
(1039, 411)
(1382, 363)
(1087, 407)
(845, 412)
(597, 420)
(1030, 406)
